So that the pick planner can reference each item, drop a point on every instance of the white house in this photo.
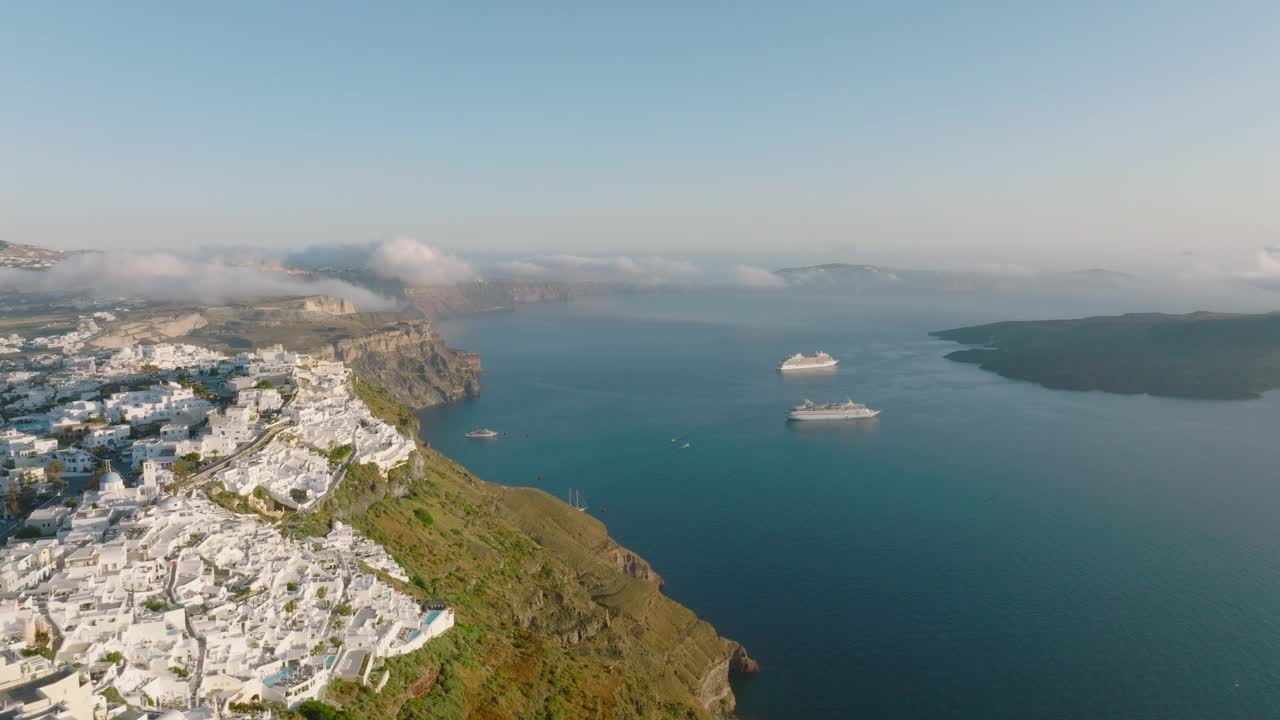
(175, 431)
(76, 461)
(107, 436)
(18, 446)
(233, 425)
(48, 520)
(260, 399)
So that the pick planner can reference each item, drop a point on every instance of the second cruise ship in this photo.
(848, 410)
(800, 361)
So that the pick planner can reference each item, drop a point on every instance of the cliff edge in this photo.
(555, 618)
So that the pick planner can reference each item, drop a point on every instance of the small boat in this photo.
(482, 434)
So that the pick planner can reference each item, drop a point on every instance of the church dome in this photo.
(110, 480)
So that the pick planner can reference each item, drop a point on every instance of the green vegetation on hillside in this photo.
(1201, 355)
(548, 625)
(386, 407)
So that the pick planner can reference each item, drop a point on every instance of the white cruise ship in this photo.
(848, 410)
(800, 361)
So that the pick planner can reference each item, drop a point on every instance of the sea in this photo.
(986, 548)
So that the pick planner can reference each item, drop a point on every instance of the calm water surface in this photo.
(985, 549)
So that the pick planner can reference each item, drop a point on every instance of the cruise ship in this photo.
(848, 410)
(800, 361)
(482, 434)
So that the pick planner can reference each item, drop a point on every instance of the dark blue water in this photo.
(985, 549)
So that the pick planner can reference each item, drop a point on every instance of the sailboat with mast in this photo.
(576, 501)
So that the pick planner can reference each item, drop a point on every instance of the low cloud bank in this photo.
(1266, 270)
(749, 276)
(620, 269)
(403, 259)
(417, 263)
(171, 278)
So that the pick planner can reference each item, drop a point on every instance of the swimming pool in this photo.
(426, 620)
(277, 677)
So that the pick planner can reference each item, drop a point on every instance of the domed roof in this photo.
(111, 479)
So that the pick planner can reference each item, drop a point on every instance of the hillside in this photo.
(1201, 355)
(484, 296)
(555, 619)
(28, 257)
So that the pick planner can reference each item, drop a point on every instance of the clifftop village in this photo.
(127, 592)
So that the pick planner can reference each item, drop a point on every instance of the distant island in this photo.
(848, 276)
(1201, 355)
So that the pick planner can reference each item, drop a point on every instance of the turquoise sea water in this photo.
(984, 549)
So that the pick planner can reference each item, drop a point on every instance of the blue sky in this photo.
(1045, 134)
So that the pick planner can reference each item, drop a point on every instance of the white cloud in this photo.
(168, 277)
(417, 263)
(749, 276)
(522, 268)
(620, 269)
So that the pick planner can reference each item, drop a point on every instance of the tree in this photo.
(264, 384)
(155, 604)
(299, 495)
(150, 369)
(54, 470)
(291, 587)
(322, 593)
(344, 610)
(115, 657)
(339, 453)
(192, 456)
(28, 532)
(184, 468)
(291, 606)
(113, 696)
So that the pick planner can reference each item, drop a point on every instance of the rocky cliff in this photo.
(411, 360)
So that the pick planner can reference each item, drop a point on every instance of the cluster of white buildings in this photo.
(173, 602)
(164, 402)
(297, 467)
(133, 359)
(328, 415)
(178, 603)
(69, 342)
